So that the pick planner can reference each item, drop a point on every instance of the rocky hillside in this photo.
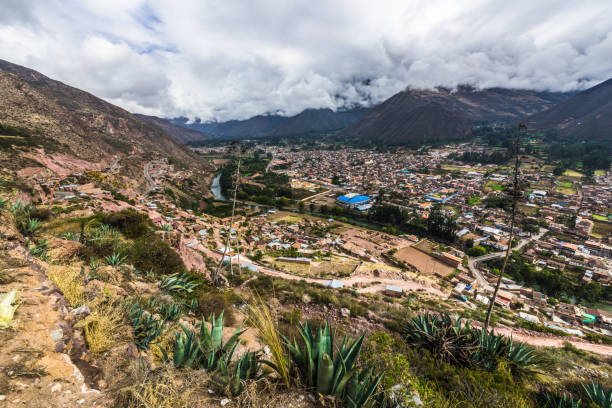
(179, 133)
(413, 116)
(586, 115)
(37, 111)
(308, 121)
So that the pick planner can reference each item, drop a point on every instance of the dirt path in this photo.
(35, 370)
(542, 341)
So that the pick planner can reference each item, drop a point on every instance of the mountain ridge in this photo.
(398, 120)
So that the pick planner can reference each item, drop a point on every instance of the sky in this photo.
(226, 59)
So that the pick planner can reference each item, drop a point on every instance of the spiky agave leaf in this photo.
(598, 394)
(556, 400)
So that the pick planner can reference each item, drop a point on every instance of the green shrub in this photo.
(131, 223)
(150, 252)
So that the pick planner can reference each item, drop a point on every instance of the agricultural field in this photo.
(493, 186)
(601, 229)
(599, 173)
(573, 174)
(426, 264)
(566, 190)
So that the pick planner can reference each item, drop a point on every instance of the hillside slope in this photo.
(447, 114)
(64, 119)
(586, 115)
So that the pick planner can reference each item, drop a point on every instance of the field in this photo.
(426, 264)
(565, 190)
(566, 184)
(473, 200)
(573, 174)
(600, 217)
(547, 168)
(527, 210)
(599, 172)
(491, 185)
(602, 229)
(289, 219)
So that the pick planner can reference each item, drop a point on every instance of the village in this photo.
(566, 229)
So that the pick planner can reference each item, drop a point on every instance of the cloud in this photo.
(235, 59)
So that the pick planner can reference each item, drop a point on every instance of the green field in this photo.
(473, 200)
(566, 184)
(600, 217)
(599, 172)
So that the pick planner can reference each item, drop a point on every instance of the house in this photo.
(394, 291)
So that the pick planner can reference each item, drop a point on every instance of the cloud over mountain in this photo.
(235, 59)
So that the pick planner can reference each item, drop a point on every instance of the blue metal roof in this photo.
(356, 199)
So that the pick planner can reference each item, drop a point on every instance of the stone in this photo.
(225, 401)
(56, 335)
(81, 311)
(344, 312)
(57, 387)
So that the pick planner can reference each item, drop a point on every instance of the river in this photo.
(215, 188)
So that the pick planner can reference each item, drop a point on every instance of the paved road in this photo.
(472, 262)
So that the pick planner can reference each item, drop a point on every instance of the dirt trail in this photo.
(543, 341)
(34, 371)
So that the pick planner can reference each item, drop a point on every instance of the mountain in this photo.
(63, 119)
(413, 116)
(179, 133)
(586, 115)
(308, 121)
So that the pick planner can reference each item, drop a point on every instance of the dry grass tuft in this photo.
(165, 388)
(70, 282)
(105, 326)
(260, 317)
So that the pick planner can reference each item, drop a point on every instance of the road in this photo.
(269, 164)
(152, 185)
(472, 262)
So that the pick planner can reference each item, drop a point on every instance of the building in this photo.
(355, 201)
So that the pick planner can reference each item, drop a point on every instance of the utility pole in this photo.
(515, 195)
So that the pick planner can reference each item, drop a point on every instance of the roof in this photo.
(355, 199)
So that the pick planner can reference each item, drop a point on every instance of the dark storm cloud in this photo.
(235, 59)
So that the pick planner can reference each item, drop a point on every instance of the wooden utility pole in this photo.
(515, 196)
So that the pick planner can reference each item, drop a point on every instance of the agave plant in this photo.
(32, 225)
(115, 259)
(166, 227)
(598, 394)
(491, 349)
(451, 342)
(206, 350)
(326, 375)
(20, 207)
(182, 284)
(555, 400)
(40, 250)
(523, 360)
(171, 311)
(146, 328)
(245, 368)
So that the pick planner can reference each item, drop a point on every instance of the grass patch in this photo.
(105, 326)
(69, 280)
(603, 229)
(572, 173)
